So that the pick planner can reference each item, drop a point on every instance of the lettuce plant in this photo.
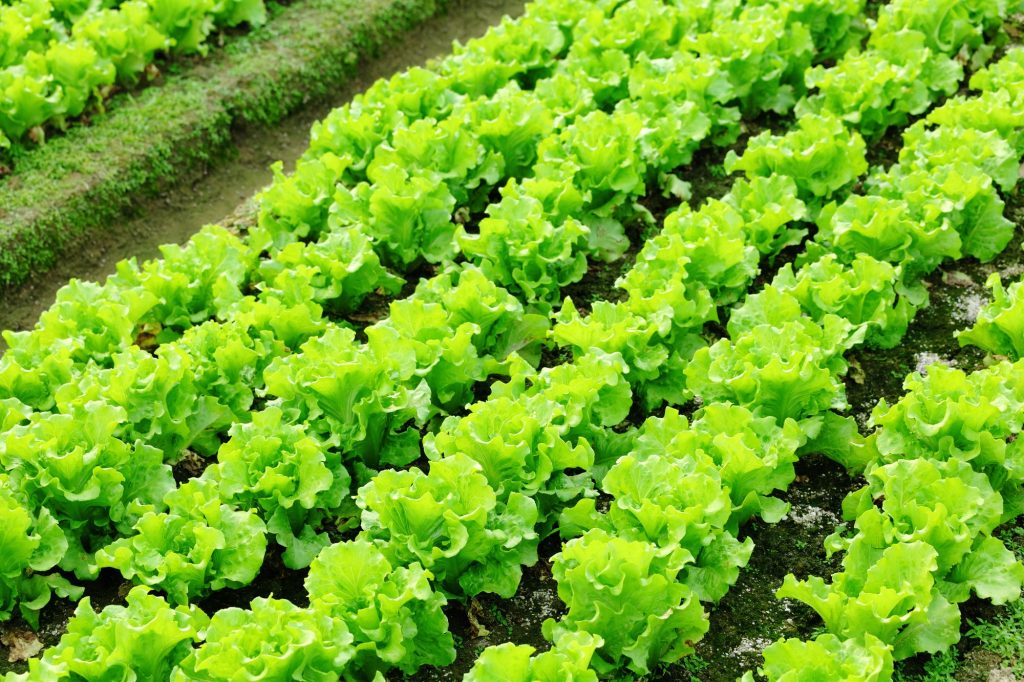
(676, 502)
(187, 24)
(26, 27)
(654, 355)
(272, 640)
(407, 212)
(296, 206)
(143, 640)
(162, 405)
(947, 414)
(124, 36)
(87, 321)
(509, 126)
(191, 284)
(697, 262)
(394, 616)
(517, 444)
(866, 292)
(501, 324)
(946, 24)
(626, 593)
(227, 359)
(450, 521)
(771, 212)
(344, 266)
(946, 504)
(199, 544)
(362, 401)
(598, 152)
(958, 197)
(883, 86)
(95, 485)
(990, 111)
(787, 370)
(532, 430)
(754, 455)
(930, 147)
(287, 475)
(821, 155)
(763, 53)
(676, 129)
(449, 149)
(31, 96)
(456, 330)
(518, 246)
(886, 230)
(889, 593)
(664, 86)
(1005, 74)
(836, 26)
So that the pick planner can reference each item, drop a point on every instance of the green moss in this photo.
(150, 140)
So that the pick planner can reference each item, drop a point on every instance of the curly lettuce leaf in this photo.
(567, 661)
(827, 657)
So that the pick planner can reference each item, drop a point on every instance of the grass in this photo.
(1004, 636)
(939, 668)
(150, 140)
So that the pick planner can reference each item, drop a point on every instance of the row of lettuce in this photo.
(57, 57)
(927, 545)
(495, 486)
(943, 469)
(943, 472)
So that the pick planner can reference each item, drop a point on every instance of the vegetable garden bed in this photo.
(371, 438)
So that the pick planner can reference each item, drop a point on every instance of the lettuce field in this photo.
(535, 365)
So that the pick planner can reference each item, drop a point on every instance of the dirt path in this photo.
(182, 211)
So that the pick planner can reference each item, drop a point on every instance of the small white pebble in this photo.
(923, 360)
(810, 516)
(968, 307)
(748, 646)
